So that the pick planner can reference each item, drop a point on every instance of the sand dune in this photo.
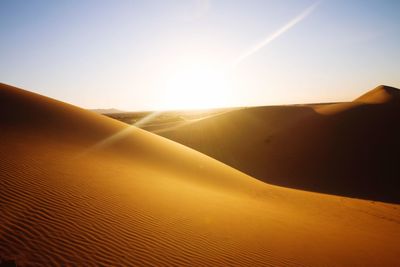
(381, 94)
(348, 149)
(142, 200)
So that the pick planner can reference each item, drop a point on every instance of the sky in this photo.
(173, 54)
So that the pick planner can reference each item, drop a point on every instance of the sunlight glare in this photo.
(197, 86)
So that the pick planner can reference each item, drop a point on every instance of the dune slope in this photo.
(348, 149)
(67, 197)
(381, 94)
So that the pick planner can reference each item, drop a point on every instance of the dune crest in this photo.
(380, 94)
(143, 200)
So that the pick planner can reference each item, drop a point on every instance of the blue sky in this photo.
(123, 54)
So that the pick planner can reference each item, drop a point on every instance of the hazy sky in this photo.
(139, 55)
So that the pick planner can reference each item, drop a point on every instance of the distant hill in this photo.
(381, 94)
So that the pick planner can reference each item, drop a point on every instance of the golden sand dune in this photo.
(381, 94)
(348, 149)
(69, 198)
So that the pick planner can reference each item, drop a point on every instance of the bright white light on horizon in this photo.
(196, 87)
(200, 84)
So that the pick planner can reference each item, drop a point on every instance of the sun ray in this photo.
(304, 14)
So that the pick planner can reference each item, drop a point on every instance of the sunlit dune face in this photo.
(197, 86)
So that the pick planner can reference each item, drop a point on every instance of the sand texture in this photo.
(70, 195)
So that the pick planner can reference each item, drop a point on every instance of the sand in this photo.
(381, 94)
(69, 198)
(347, 149)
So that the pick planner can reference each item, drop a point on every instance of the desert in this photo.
(199, 133)
(144, 200)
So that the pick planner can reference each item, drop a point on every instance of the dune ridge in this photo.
(380, 94)
(143, 200)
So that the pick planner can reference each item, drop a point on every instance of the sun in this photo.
(197, 87)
